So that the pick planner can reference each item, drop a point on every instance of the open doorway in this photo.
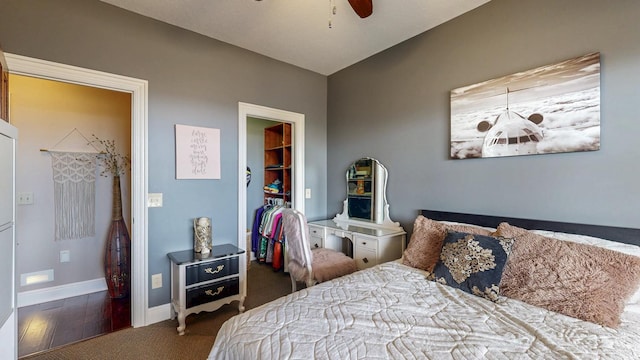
(255, 163)
(59, 120)
(251, 119)
(138, 92)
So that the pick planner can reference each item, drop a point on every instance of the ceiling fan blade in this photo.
(363, 8)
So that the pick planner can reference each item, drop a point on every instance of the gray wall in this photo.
(395, 107)
(193, 80)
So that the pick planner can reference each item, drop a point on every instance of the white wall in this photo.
(45, 112)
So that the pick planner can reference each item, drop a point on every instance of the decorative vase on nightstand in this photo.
(117, 262)
(202, 236)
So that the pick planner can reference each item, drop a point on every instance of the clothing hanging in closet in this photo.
(267, 238)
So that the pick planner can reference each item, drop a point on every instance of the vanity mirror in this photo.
(363, 230)
(366, 198)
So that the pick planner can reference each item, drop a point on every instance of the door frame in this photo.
(262, 112)
(138, 89)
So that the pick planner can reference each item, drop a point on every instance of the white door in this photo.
(8, 315)
(6, 178)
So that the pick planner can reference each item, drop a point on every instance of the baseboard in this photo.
(158, 313)
(32, 297)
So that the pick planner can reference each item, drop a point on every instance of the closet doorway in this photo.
(252, 121)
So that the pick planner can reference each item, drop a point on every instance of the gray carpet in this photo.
(161, 340)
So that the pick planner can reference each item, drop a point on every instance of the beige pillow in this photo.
(423, 250)
(578, 280)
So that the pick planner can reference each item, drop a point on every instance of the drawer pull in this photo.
(364, 243)
(217, 270)
(365, 260)
(211, 293)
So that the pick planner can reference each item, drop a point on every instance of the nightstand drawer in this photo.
(204, 294)
(211, 270)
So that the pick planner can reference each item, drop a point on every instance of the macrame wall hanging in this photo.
(74, 179)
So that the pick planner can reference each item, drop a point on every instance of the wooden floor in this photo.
(56, 323)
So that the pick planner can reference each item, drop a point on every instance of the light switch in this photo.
(307, 193)
(154, 200)
(156, 281)
(65, 256)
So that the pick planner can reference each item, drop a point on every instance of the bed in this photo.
(395, 311)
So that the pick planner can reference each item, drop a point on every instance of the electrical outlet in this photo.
(156, 281)
(154, 200)
(24, 198)
(307, 193)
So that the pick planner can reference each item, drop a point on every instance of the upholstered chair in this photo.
(307, 265)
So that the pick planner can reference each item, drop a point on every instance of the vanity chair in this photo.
(305, 264)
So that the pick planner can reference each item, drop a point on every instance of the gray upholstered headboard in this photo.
(619, 234)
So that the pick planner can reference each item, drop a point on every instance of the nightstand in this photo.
(206, 283)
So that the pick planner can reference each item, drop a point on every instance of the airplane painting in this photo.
(550, 109)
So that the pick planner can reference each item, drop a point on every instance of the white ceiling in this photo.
(297, 31)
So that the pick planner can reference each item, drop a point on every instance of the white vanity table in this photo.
(363, 230)
(371, 246)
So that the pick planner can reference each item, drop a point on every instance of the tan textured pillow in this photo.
(423, 250)
(578, 280)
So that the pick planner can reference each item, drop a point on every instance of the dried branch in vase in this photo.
(111, 161)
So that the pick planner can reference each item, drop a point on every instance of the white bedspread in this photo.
(392, 312)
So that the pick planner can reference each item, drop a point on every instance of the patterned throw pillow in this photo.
(423, 250)
(472, 263)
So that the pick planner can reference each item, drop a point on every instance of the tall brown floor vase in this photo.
(117, 261)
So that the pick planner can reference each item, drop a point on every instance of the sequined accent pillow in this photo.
(472, 263)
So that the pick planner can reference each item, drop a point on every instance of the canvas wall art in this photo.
(550, 109)
(197, 152)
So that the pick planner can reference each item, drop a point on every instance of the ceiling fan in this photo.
(363, 8)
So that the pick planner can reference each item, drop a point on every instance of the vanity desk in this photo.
(371, 246)
(363, 230)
